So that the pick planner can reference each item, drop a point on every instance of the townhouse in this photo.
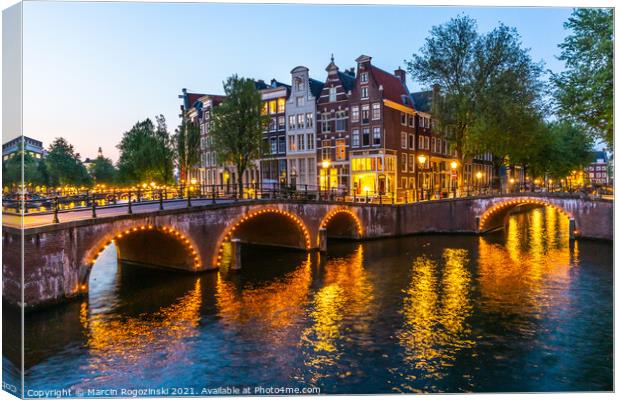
(300, 113)
(273, 164)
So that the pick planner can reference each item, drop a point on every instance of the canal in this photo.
(522, 309)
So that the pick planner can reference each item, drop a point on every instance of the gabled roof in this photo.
(347, 80)
(393, 88)
(315, 87)
(422, 101)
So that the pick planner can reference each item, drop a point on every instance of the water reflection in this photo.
(520, 310)
(435, 309)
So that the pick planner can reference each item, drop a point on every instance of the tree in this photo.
(102, 170)
(564, 147)
(491, 96)
(33, 170)
(64, 165)
(238, 126)
(146, 153)
(187, 146)
(584, 91)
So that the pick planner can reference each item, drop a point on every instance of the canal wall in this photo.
(58, 258)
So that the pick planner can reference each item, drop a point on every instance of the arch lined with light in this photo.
(503, 206)
(168, 230)
(343, 210)
(239, 221)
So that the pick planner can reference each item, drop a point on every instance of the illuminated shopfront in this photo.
(373, 174)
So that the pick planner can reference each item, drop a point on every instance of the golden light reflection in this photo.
(270, 311)
(343, 306)
(435, 310)
(513, 278)
(113, 342)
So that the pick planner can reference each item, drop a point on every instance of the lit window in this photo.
(281, 102)
(340, 149)
(272, 107)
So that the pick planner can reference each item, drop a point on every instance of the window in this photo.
(300, 142)
(332, 94)
(421, 142)
(365, 112)
(376, 136)
(265, 109)
(355, 114)
(310, 141)
(300, 121)
(403, 162)
(404, 183)
(340, 149)
(272, 124)
(355, 138)
(281, 144)
(291, 122)
(411, 121)
(364, 92)
(411, 141)
(292, 146)
(364, 77)
(433, 143)
(403, 140)
(376, 111)
(325, 149)
(403, 119)
(273, 145)
(281, 102)
(366, 137)
(411, 162)
(281, 123)
(325, 125)
(340, 121)
(299, 101)
(426, 143)
(299, 84)
(309, 120)
(272, 107)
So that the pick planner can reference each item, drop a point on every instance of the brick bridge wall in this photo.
(58, 258)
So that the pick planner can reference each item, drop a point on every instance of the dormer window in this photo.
(364, 77)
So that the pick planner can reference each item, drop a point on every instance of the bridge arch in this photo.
(145, 244)
(495, 215)
(265, 226)
(342, 222)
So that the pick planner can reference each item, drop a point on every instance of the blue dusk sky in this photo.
(91, 70)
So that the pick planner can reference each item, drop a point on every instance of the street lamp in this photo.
(478, 178)
(453, 166)
(325, 164)
(422, 161)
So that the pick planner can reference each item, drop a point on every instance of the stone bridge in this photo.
(58, 257)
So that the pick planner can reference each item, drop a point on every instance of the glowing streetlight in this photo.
(326, 164)
(512, 181)
(422, 159)
(453, 165)
(479, 175)
(193, 181)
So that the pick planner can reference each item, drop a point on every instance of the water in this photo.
(519, 310)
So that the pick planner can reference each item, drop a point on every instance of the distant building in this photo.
(31, 146)
(597, 170)
(273, 163)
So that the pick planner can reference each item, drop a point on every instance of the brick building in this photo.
(597, 170)
(272, 165)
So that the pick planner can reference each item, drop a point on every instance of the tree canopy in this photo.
(102, 170)
(238, 125)
(146, 153)
(64, 166)
(491, 89)
(584, 91)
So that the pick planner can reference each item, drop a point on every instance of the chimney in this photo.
(401, 74)
(351, 71)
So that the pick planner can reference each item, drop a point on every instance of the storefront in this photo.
(373, 174)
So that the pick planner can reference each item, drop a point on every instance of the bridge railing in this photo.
(153, 198)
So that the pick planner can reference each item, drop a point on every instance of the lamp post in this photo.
(453, 166)
(325, 164)
(512, 184)
(478, 178)
(422, 164)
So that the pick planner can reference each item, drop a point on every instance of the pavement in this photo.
(43, 219)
